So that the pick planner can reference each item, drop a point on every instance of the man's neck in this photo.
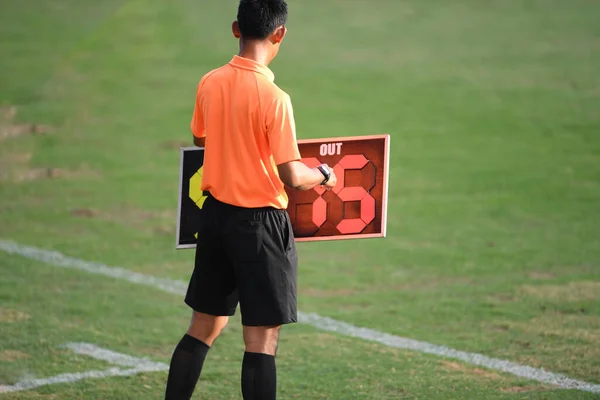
(255, 51)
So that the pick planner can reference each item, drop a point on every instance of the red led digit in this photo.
(319, 208)
(358, 193)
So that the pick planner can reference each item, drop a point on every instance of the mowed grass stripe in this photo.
(328, 324)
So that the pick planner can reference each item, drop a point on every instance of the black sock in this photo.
(259, 377)
(185, 368)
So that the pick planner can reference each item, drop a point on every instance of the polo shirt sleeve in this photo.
(281, 130)
(197, 124)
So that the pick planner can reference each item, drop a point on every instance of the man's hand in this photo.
(200, 142)
(332, 179)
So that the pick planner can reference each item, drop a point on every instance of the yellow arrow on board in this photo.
(196, 193)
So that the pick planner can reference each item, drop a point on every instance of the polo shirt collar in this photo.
(251, 65)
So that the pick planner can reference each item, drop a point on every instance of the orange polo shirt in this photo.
(248, 122)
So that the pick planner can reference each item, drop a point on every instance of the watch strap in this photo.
(325, 173)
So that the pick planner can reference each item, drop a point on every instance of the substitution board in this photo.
(355, 208)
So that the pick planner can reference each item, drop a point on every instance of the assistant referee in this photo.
(246, 249)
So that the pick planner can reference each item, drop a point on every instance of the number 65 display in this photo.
(355, 208)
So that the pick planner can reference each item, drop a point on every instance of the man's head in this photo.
(262, 21)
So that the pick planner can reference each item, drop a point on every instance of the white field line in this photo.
(112, 357)
(323, 323)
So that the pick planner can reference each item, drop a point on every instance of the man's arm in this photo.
(281, 131)
(297, 175)
(197, 123)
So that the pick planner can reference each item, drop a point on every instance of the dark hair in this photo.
(257, 19)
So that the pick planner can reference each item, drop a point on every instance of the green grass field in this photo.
(494, 206)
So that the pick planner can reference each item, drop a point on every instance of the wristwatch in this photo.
(325, 171)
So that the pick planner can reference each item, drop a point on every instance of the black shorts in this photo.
(246, 255)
